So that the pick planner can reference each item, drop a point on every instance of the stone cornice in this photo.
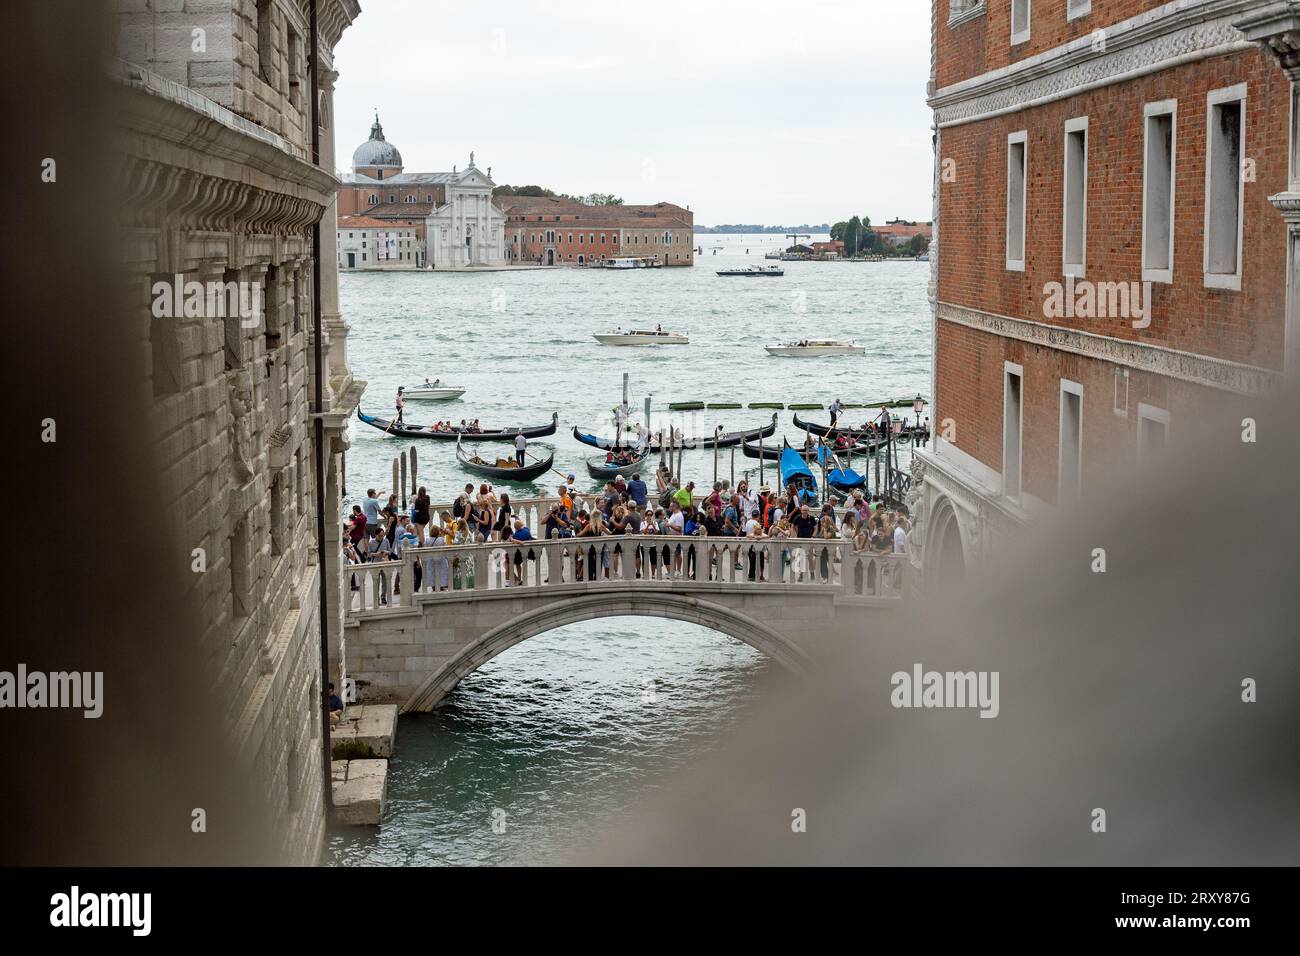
(1201, 370)
(965, 16)
(188, 162)
(1178, 32)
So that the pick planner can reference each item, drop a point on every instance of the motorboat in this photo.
(642, 337)
(811, 348)
(434, 391)
(753, 271)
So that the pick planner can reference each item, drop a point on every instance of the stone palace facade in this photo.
(219, 187)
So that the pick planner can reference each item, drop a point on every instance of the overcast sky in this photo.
(757, 111)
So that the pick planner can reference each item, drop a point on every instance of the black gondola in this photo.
(455, 434)
(872, 435)
(600, 468)
(524, 473)
(725, 440)
(773, 452)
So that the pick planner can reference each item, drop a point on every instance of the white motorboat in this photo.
(434, 391)
(808, 348)
(642, 337)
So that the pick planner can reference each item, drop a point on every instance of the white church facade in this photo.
(458, 226)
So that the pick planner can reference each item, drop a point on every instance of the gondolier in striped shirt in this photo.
(400, 402)
(520, 444)
(835, 411)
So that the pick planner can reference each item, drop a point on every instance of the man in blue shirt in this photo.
(521, 533)
(370, 508)
(636, 490)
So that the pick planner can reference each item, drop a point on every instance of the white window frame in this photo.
(1121, 374)
(1162, 108)
(1150, 413)
(1009, 369)
(1076, 9)
(1021, 137)
(1067, 388)
(1223, 280)
(1080, 268)
(1023, 35)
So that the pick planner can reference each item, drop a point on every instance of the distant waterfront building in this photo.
(899, 232)
(381, 244)
(567, 232)
(219, 187)
(834, 249)
(458, 224)
(1115, 191)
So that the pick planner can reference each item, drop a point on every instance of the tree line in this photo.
(591, 199)
(860, 239)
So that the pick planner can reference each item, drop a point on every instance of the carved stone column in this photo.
(1276, 27)
(336, 329)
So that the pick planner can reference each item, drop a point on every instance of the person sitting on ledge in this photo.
(336, 706)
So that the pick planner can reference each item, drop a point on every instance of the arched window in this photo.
(373, 200)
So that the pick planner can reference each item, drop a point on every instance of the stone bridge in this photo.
(791, 599)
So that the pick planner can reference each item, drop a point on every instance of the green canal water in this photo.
(531, 754)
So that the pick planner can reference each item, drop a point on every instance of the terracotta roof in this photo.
(369, 222)
(628, 217)
(401, 210)
(903, 229)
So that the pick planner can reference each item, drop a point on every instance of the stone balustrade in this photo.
(457, 573)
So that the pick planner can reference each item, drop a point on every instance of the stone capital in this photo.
(1276, 28)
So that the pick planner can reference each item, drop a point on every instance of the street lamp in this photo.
(918, 403)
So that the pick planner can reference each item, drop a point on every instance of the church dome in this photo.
(376, 151)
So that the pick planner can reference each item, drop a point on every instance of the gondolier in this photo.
(521, 443)
(400, 402)
(835, 411)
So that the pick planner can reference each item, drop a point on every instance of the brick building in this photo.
(567, 232)
(219, 188)
(1116, 211)
(899, 232)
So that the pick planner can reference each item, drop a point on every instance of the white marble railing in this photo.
(464, 572)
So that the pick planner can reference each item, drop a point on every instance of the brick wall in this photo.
(1243, 326)
(983, 44)
(970, 367)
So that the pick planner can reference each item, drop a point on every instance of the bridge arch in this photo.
(590, 607)
(946, 550)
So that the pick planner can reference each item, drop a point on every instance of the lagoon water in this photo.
(572, 726)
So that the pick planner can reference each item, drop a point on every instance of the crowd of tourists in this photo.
(378, 529)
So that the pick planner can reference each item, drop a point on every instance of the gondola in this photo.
(795, 470)
(773, 452)
(903, 436)
(599, 468)
(843, 480)
(528, 472)
(725, 440)
(491, 434)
